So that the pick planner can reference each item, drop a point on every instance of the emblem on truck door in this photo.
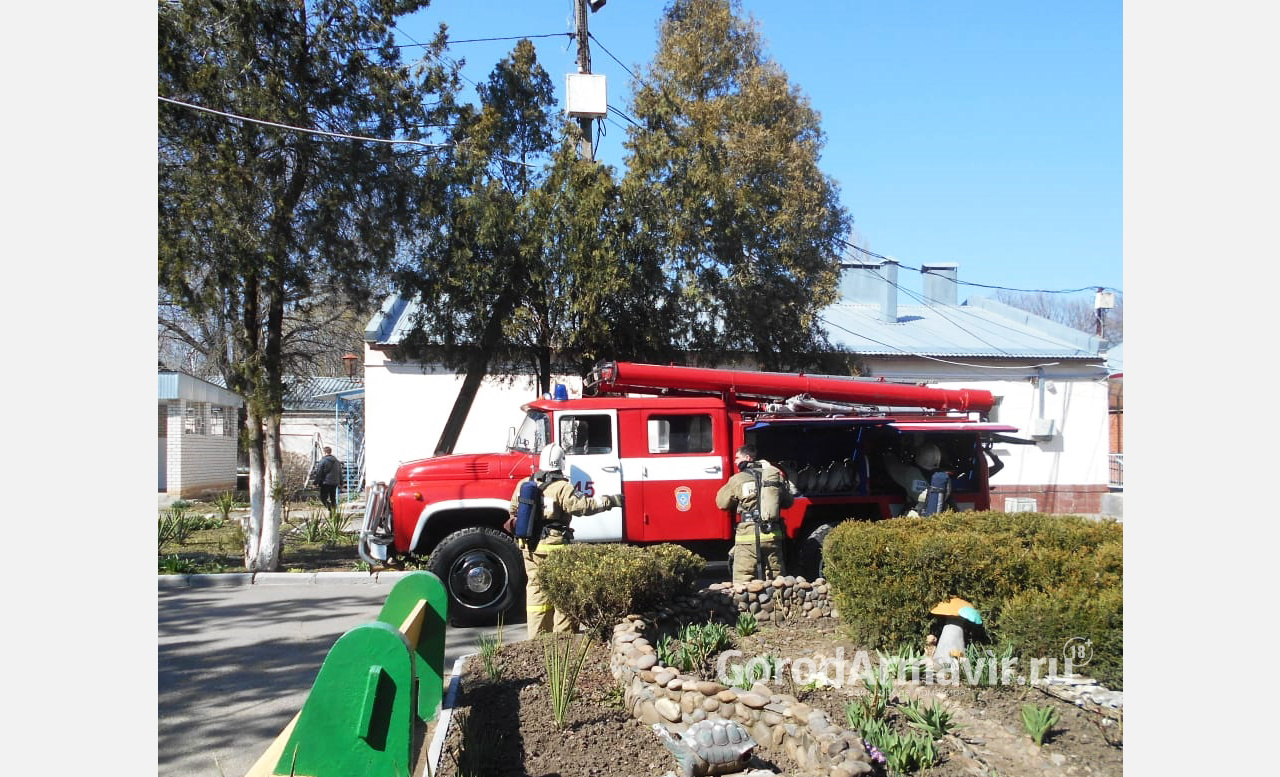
(684, 499)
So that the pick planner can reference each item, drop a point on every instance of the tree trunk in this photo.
(477, 367)
(257, 490)
(268, 557)
(544, 369)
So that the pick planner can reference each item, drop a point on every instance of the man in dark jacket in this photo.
(327, 474)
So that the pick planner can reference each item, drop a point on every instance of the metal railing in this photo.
(1116, 466)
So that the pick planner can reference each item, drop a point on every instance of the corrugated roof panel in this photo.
(949, 330)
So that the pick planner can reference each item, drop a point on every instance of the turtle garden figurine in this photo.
(709, 747)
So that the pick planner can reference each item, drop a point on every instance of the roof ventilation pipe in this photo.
(940, 283)
(871, 283)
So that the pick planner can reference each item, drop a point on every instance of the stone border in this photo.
(663, 695)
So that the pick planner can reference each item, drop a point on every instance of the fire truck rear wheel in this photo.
(483, 572)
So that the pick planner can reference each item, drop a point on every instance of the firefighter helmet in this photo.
(928, 456)
(551, 458)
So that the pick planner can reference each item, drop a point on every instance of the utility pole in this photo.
(584, 66)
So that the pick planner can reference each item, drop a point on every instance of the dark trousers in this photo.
(329, 495)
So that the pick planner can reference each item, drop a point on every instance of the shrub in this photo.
(597, 585)
(1040, 623)
(1061, 574)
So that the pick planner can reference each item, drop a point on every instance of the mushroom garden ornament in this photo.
(956, 614)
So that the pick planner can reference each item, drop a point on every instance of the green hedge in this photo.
(597, 585)
(1037, 579)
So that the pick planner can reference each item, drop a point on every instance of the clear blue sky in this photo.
(985, 133)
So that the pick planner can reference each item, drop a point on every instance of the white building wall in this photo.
(406, 409)
(1077, 452)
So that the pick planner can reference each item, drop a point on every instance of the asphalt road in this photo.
(236, 662)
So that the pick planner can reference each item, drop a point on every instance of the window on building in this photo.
(194, 422)
(217, 421)
(680, 434)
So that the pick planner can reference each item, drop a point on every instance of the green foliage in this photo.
(725, 191)
(697, 645)
(490, 646)
(1040, 623)
(175, 525)
(473, 755)
(934, 720)
(263, 230)
(1028, 574)
(983, 666)
(745, 675)
(172, 565)
(599, 584)
(906, 753)
(1038, 721)
(225, 502)
(563, 669)
(747, 624)
(901, 662)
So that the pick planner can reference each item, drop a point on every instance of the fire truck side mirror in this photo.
(511, 438)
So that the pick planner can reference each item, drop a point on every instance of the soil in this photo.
(512, 730)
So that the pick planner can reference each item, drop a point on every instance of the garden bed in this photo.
(512, 730)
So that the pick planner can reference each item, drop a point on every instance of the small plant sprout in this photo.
(933, 720)
(562, 674)
(490, 646)
(225, 502)
(1038, 721)
(747, 625)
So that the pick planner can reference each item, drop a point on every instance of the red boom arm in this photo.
(633, 378)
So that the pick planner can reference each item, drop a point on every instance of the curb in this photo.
(436, 749)
(277, 578)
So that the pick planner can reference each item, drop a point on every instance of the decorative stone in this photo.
(728, 696)
(668, 709)
(664, 677)
(753, 700)
(710, 704)
(646, 661)
(708, 688)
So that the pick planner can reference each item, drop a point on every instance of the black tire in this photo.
(483, 571)
(811, 565)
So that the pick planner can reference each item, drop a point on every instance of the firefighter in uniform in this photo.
(760, 531)
(913, 476)
(560, 501)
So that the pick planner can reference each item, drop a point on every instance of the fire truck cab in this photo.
(664, 437)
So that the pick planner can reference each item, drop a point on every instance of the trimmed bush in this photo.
(1063, 574)
(1040, 624)
(598, 585)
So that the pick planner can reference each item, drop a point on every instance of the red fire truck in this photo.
(664, 437)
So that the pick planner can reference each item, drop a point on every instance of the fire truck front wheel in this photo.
(483, 572)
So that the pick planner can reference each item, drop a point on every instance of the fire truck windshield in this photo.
(533, 432)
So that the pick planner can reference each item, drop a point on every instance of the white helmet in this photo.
(551, 458)
(928, 456)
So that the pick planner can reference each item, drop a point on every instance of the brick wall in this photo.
(198, 463)
(1079, 499)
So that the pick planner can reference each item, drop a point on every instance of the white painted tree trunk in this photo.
(273, 505)
(266, 498)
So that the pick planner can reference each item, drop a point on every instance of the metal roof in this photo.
(978, 328)
(179, 385)
(309, 393)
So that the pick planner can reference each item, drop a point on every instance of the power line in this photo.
(308, 130)
(860, 249)
(611, 56)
